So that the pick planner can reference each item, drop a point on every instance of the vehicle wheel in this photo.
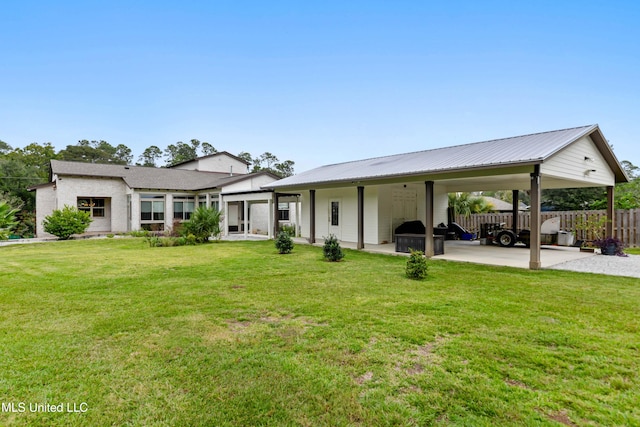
(506, 238)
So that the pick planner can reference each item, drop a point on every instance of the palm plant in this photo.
(7, 219)
(204, 223)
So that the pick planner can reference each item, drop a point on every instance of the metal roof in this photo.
(147, 177)
(514, 151)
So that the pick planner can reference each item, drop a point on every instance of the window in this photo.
(283, 211)
(335, 213)
(183, 207)
(94, 206)
(151, 208)
(215, 202)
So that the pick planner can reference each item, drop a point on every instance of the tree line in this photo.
(21, 168)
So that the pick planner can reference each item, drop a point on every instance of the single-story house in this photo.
(364, 201)
(497, 205)
(123, 198)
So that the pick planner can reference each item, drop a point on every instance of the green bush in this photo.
(331, 249)
(7, 219)
(416, 265)
(204, 223)
(66, 222)
(284, 243)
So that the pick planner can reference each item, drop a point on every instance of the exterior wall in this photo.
(378, 211)
(69, 189)
(45, 205)
(250, 184)
(220, 163)
(570, 163)
(258, 218)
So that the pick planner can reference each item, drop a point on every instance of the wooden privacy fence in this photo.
(626, 225)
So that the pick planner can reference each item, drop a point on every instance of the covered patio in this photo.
(472, 251)
(359, 201)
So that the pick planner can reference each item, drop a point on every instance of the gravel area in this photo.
(603, 264)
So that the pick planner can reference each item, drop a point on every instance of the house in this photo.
(123, 198)
(497, 205)
(364, 201)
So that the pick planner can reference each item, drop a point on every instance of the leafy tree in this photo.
(123, 155)
(208, 149)
(181, 152)
(4, 147)
(97, 152)
(284, 169)
(268, 162)
(65, 222)
(150, 156)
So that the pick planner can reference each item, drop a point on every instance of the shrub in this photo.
(66, 222)
(204, 223)
(416, 265)
(332, 250)
(7, 219)
(284, 243)
(289, 229)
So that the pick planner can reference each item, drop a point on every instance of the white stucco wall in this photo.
(45, 205)
(69, 189)
(219, 163)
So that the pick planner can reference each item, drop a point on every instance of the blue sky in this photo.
(317, 82)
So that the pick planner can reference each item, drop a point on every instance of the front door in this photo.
(335, 218)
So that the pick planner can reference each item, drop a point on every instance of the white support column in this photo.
(270, 218)
(168, 209)
(245, 207)
(225, 220)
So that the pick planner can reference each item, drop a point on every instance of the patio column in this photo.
(226, 217)
(245, 220)
(428, 234)
(312, 216)
(276, 222)
(534, 250)
(360, 218)
(611, 218)
(515, 210)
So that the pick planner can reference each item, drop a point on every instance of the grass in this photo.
(233, 333)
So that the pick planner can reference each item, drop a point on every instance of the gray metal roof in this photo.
(147, 177)
(519, 150)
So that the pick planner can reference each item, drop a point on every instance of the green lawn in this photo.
(231, 333)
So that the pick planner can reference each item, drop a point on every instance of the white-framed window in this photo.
(215, 201)
(151, 208)
(93, 205)
(283, 211)
(183, 207)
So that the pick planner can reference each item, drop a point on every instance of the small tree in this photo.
(284, 243)
(7, 219)
(332, 250)
(416, 265)
(66, 222)
(204, 223)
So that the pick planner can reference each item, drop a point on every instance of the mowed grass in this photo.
(232, 333)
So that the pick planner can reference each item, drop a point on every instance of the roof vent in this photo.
(126, 167)
(231, 170)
